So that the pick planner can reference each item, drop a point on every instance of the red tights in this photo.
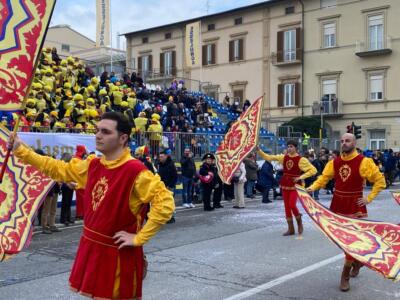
(290, 199)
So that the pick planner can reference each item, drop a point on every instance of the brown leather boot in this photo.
(355, 268)
(345, 279)
(290, 230)
(299, 224)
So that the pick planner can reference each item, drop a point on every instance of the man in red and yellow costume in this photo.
(350, 170)
(110, 263)
(295, 169)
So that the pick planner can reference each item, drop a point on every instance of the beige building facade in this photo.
(332, 59)
(67, 40)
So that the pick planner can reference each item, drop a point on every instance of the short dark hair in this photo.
(124, 126)
(292, 142)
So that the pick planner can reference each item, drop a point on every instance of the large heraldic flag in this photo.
(239, 141)
(21, 194)
(375, 244)
(23, 24)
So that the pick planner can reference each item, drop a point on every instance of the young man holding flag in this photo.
(109, 263)
(295, 170)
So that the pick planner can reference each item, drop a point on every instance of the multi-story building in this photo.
(332, 59)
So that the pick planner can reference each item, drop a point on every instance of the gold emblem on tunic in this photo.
(344, 172)
(289, 164)
(99, 192)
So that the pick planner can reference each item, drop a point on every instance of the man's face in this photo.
(291, 149)
(108, 139)
(209, 161)
(162, 158)
(187, 152)
(348, 143)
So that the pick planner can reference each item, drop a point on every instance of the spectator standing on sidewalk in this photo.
(238, 180)
(188, 168)
(67, 192)
(168, 174)
(251, 174)
(210, 182)
(266, 180)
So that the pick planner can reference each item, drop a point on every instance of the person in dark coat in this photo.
(210, 181)
(188, 168)
(167, 170)
(168, 174)
(266, 180)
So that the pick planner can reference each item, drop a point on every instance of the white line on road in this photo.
(284, 278)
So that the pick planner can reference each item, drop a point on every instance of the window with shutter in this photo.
(162, 69)
(375, 32)
(289, 45)
(231, 50)
(329, 37)
(279, 47)
(289, 95)
(174, 69)
(376, 87)
(204, 55)
(280, 94)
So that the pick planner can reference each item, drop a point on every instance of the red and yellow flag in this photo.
(374, 244)
(239, 141)
(23, 24)
(396, 196)
(21, 193)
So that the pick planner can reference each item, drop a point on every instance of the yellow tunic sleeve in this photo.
(307, 168)
(58, 170)
(265, 156)
(149, 188)
(323, 179)
(370, 172)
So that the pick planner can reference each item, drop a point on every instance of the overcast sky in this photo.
(132, 15)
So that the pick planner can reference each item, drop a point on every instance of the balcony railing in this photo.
(286, 57)
(327, 108)
(157, 73)
(363, 49)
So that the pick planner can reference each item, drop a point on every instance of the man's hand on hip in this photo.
(124, 239)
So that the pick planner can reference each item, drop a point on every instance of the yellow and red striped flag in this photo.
(374, 244)
(23, 24)
(239, 141)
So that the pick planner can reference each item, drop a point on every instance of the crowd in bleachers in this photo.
(66, 96)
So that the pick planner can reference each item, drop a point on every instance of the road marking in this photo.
(284, 278)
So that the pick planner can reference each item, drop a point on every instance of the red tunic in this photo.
(291, 170)
(348, 188)
(107, 211)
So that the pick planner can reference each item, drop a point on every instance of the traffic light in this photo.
(350, 128)
(357, 131)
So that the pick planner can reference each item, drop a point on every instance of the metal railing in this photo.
(198, 143)
(330, 107)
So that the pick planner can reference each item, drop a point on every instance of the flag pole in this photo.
(16, 125)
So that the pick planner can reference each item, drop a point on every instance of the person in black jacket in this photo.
(266, 180)
(167, 171)
(210, 181)
(188, 168)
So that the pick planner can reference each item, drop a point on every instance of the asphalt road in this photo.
(224, 254)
